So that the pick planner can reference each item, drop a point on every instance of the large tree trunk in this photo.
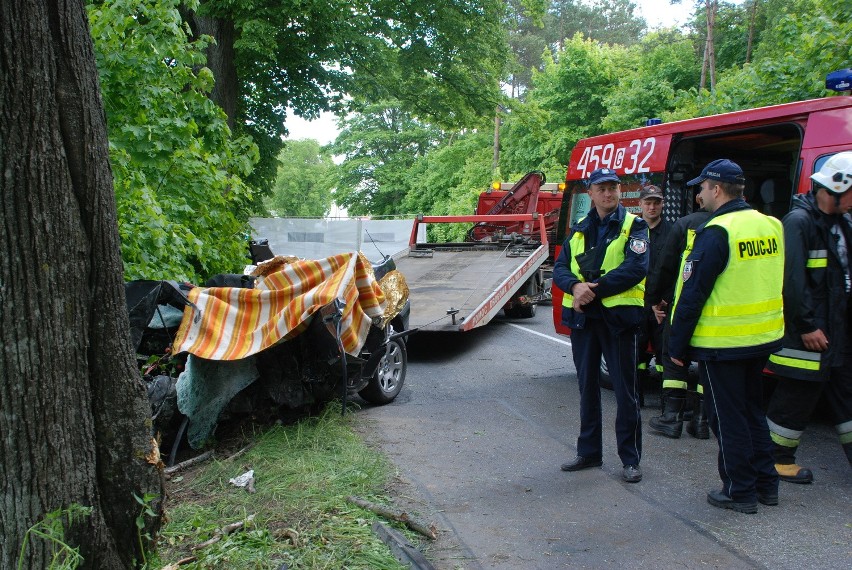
(74, 418)
(220, 60)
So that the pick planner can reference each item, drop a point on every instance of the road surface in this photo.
(486, 418)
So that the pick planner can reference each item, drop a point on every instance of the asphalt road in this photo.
(486, 418)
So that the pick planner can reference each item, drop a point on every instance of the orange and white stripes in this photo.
(235, 323)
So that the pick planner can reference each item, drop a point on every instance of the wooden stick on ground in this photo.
(240, 452)
(224, 531)
(400, 516)
(189, 462)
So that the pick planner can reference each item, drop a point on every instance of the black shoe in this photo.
(631, 474)
(579, 463)
(768, 498)
(723, 501)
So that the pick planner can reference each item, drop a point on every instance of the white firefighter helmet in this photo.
(836, 173)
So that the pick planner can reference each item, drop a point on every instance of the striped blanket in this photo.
(231, 323)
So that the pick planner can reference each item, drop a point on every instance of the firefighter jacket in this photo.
(728, 302)
(613, 253)
(663, 273)
(815, 291)
(656, 239)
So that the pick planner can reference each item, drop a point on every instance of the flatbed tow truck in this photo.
(502, 265)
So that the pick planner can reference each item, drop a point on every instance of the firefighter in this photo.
(651, 331)
(675, 387)
(727, 315)
(817, 353)
(602, 268)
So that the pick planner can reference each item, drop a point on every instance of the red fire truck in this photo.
(778, 147)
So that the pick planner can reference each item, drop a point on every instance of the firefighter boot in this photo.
(785, 457)
(670, 421)
(698, 427)
(792, 473)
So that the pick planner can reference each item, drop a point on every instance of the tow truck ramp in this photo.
(461, 286)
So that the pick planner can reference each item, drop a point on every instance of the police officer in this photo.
(602, 268)
(817, 353)
(660, 291)
(728, 315)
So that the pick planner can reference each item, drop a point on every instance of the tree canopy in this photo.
(179, 171)
(197, 94)
(441, 60)
(304, 182)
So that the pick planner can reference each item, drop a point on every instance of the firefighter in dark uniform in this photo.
(651, 331)
(817, 353)
(660, 292)
(602, 268)
(728, 316)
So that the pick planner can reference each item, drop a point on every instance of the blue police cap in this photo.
(603, 175)
(723, 170)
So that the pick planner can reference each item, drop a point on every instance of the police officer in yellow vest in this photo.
(728, 315)
(601, 269)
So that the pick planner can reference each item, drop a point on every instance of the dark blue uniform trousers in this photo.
(587, 345)
(733, 398)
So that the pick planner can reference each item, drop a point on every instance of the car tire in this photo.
(386, 382)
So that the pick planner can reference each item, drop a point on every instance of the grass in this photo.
(303, 474)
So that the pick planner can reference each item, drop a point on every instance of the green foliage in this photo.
(303, 187)
(379, 144)
(525, 139)
(449, 180)
(660, 66)
(441, 60)
(52, 529)
(571, 92)
(301, 517)
(606, 21)
(182, 203)
(803, 46)
(146, 510)
(613, 22)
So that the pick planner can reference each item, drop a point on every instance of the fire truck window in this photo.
(776, 194)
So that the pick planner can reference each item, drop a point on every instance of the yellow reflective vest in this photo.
(613, 257)
(745, 307)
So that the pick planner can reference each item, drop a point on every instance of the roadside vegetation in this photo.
(191, 100)
(197, 94)
(299, 514)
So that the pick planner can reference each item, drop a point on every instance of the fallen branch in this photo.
(224, 531)
(240, 452)
(189, 462)
(399, 516)
(179, 563)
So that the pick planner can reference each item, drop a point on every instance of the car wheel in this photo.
(387, 380)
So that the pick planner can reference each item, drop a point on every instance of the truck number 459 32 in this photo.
(631, 156)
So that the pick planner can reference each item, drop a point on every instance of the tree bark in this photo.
(495, 158)
(708, 63)
(75, 421)
(751, 29)
(220, 60)
(713, 6)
